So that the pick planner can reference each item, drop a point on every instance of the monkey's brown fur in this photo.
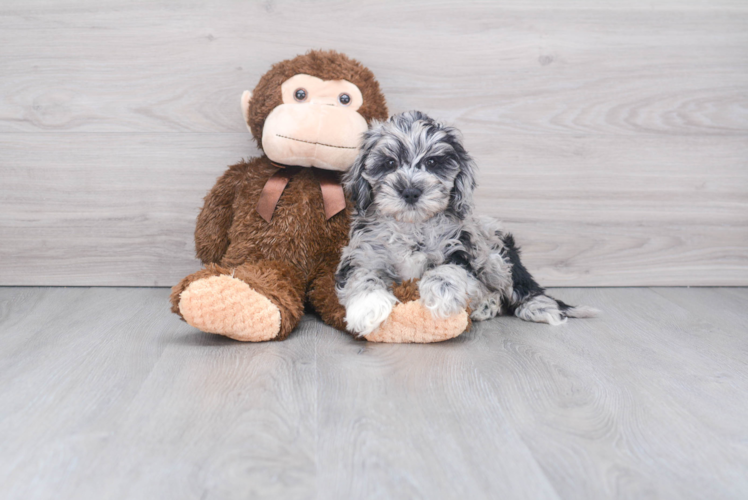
(293, 258)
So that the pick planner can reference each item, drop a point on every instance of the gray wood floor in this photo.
(104, 394)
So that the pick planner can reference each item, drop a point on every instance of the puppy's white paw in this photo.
(487, 308)
(541, 309)
(366, 312)
(443, 296)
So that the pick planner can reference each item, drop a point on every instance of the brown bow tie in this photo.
(329, 182)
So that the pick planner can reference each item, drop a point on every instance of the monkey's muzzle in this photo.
(313, 135)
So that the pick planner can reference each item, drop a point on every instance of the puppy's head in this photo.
(411, 168)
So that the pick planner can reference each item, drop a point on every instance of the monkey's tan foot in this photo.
(412, 322)
(228, 306)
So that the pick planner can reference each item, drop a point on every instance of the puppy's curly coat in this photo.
(412, 187)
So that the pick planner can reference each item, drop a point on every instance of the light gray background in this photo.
(612, 137)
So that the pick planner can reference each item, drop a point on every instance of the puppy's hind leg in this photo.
(577, 311)
(529, 300)
(545, 309)
(541, 309)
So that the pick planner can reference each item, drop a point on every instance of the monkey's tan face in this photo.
(318, 124)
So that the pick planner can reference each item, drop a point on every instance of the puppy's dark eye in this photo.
(344, 99)
(430, 162)
(391, 163)
(300, 95)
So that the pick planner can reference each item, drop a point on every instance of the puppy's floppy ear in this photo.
(358, 188)
(354, 183)
(461, 196)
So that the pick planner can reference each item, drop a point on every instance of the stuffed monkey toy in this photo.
(271, 230)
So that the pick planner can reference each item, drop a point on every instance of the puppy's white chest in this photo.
(411, 264)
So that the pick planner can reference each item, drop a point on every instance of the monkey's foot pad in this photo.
(411, 322)
(228, 306)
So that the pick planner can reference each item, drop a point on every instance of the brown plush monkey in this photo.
(272, 228)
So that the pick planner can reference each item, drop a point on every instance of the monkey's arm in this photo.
(216, 216)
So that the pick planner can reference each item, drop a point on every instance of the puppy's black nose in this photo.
(411, 195)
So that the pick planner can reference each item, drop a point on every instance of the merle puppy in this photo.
(412, 187)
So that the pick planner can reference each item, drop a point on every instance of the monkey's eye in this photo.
(300, 94)
(344, 99)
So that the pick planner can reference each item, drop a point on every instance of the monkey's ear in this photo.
(246, 97)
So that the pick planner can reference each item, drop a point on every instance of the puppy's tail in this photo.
(577, 311)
